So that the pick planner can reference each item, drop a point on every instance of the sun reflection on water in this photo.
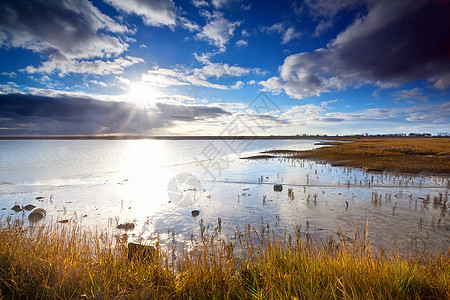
(145, 186)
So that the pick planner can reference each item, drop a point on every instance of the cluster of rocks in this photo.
(36, 214)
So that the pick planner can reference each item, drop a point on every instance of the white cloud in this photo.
(200, 3)
(100, 83)
(164, 77)
(288, 32)
(325, 103)
(218, 30)
(238, 85)
(64, 66)
(219, 3)
(413, 94)
(168, 77)
(154, 12)
(9, 74)
(322, 27)
(241, 43)
(219, 70)
(289, 35)
(189, 25)
(123, 80)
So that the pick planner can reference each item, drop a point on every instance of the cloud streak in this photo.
(153, 13)
(163, 77)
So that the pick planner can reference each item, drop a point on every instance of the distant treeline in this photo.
(213, 137)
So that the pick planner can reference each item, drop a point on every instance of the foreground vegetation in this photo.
(67, 262)
(410, 155)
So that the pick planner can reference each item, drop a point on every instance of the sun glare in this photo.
(142, 93)
(142, 166)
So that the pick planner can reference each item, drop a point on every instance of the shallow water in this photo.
(105, 183)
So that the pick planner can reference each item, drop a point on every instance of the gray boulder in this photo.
(37, 215)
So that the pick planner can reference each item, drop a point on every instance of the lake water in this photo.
(156, 184)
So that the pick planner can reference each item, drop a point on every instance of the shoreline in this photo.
(203, 137)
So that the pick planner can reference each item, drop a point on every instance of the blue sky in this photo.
(194, 67)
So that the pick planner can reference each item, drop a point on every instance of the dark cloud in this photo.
(74, 35)
(330, 120)
(72, 27)
(179, 112)
(396, 42)
(62, 115)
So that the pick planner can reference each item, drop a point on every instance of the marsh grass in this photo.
(64, 262)
(409, 155)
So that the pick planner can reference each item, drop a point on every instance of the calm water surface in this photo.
(108, 182)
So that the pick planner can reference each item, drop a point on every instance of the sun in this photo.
(142, 93)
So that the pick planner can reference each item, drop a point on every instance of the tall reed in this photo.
(64, 262)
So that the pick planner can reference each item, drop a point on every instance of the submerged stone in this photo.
(277, 187)
(195, 213)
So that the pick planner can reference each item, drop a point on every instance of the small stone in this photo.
(195, 213)
(277, 187)
(16, 208)
(40, 198)
(29, 207)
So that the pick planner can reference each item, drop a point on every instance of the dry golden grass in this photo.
(410, 155)
(66, 262)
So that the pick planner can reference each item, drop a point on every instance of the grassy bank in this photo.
(409, 155)
(66, 262)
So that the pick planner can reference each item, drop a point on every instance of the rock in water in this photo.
(29, 207)
(126, 226)
(277, 187)
(37, 215)
(195, 213)
(141, 252)
(16, 208)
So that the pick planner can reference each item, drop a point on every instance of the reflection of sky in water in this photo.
(105, 182)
